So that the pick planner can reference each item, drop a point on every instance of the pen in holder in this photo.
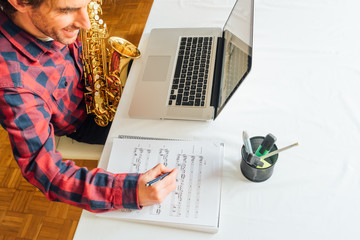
(251, 171)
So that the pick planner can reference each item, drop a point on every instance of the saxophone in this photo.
(105, 62)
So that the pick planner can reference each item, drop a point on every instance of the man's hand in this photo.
(158, 192)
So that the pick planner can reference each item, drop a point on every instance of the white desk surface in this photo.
(303, 86)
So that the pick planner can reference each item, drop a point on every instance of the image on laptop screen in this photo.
(238, 42)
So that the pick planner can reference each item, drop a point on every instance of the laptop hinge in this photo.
(217, 74)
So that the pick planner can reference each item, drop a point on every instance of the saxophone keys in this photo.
(103, 85)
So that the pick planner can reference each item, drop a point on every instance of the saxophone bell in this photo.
(123, 52)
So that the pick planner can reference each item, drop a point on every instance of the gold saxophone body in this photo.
(105, 62)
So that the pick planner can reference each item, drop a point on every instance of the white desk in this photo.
(303, 86)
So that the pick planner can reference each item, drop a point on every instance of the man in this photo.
(41, 95)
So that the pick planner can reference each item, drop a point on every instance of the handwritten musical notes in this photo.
(185, 199)
(196, 200)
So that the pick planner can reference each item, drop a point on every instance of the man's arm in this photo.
(27, 119)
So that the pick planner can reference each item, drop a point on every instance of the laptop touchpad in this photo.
(156, 68)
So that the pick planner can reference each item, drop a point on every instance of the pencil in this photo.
(279, 150)
(152, 182)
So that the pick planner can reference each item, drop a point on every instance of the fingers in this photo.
(169, 182)
(159, 170)
(155, 172)
(160, 190)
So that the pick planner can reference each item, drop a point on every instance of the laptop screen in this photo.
(237, 55)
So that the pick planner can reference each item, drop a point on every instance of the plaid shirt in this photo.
(41, 96)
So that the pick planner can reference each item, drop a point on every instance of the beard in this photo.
(66, 35)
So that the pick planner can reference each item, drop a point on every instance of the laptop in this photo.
(191, 73)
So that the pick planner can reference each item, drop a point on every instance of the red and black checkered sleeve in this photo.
(26, 117)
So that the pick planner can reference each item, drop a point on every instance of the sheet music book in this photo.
(195, 203)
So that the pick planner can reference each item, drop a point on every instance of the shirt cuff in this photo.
(128, 192)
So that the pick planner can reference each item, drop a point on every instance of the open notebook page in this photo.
(195, 203)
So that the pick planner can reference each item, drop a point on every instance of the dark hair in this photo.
(8, 9)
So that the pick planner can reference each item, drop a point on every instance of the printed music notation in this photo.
(196, 200)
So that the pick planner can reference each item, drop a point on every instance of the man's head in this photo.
(9, 9)
(58, 19)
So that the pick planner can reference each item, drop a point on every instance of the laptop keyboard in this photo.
(191, 73)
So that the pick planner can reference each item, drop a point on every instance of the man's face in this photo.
(60, 19)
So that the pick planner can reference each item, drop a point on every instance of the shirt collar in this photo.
(29, 45)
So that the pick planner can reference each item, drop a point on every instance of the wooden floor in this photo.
(24, 212)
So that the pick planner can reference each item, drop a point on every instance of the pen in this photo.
(247, 143)
(152, 182)
(266, 145)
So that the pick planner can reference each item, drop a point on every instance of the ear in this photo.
(19, 5)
